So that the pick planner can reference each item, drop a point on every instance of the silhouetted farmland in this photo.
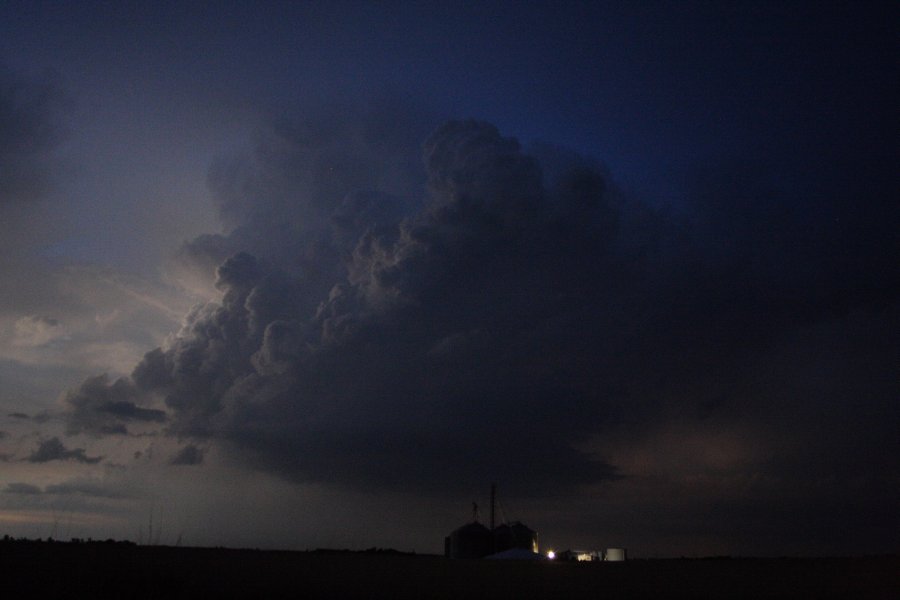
(123, 570)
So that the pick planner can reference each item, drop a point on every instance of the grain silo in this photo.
(472, 540)
(515, 535)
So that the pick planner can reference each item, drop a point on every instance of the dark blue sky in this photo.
(633, 84)
(669, 300)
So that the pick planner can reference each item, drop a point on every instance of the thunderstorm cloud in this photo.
(260, 290)
(369, 339)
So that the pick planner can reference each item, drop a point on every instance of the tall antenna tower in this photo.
(493, 503)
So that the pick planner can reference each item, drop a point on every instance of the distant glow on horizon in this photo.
(551, 554)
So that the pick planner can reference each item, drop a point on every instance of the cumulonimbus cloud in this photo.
(489, 330)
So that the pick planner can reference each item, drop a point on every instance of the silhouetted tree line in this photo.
(7, 539)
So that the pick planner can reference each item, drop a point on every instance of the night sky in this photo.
(298, 275)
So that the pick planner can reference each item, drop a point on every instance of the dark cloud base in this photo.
(54, 449)
(189, 455)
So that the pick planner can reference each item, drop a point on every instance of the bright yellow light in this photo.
(551, 554)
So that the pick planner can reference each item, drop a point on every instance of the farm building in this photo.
(615, 554)
(579, 555)
(474, 540)
(611, 554)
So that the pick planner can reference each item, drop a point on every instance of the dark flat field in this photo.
(109, 570)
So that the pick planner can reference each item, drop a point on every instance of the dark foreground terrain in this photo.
(116, 570)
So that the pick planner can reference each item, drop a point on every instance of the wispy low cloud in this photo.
(94, 488)
(22, 488)
(101, 407)
(85, 487)
(36, 330)
(53, 449)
